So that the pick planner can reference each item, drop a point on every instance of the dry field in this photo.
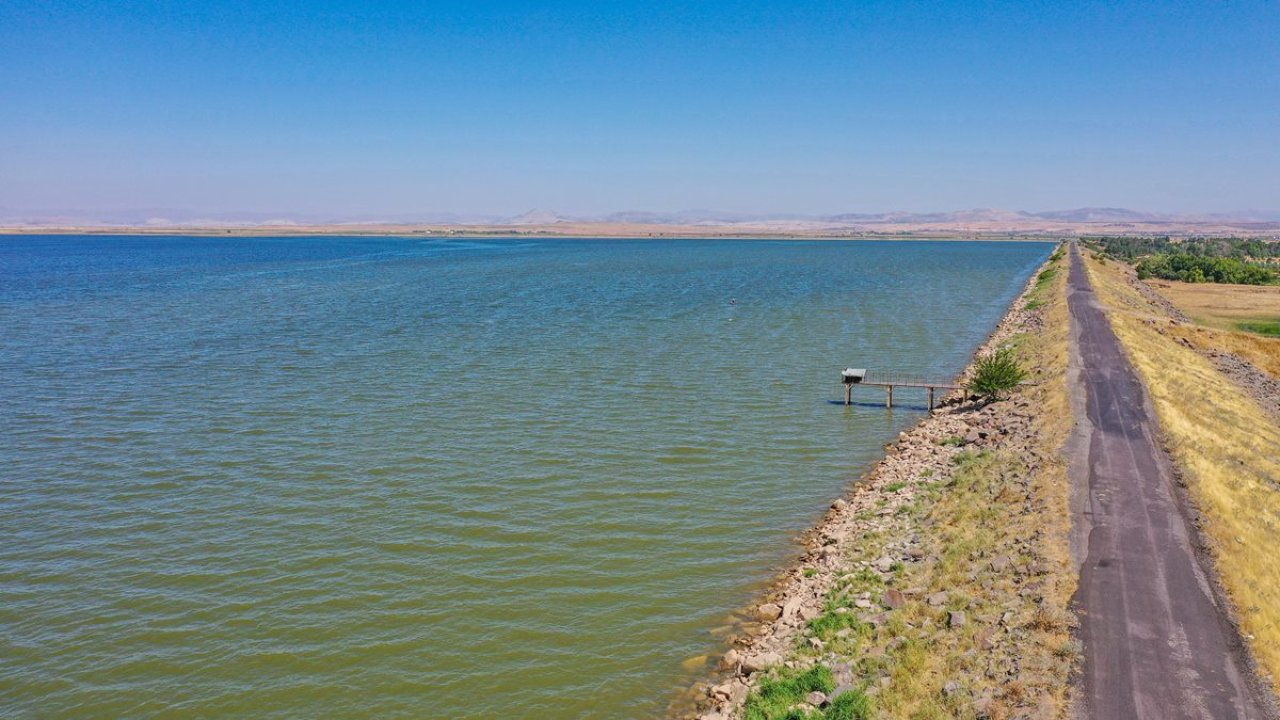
(1227, 449)
(1222, 306)
(1254, 309)
(1222, 309)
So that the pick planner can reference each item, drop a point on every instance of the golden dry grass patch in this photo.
(1220, 305)
(1229, 451)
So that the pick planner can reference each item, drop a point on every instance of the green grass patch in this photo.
(1046, 276)
(953, 441)
(1270, 328)
(775, 697)
(826, 625)
(894, 487)
(853, 705)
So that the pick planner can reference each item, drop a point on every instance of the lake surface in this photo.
(380, 477)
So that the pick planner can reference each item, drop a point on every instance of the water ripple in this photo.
(401, 478)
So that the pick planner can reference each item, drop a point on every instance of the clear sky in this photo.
(364, 109)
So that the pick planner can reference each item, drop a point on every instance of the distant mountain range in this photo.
(981, 215)
(177, 218)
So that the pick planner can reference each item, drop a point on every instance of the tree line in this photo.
(1218, 260)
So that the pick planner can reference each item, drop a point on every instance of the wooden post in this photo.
(848, 393)
(888, 396)
(930, 398)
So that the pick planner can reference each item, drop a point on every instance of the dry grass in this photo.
(1222, 309)
(1229, 451)
(1263, 352)
(1222, 306)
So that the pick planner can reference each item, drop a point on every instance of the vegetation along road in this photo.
(1157, 641)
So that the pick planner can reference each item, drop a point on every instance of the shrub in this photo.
(995, 375)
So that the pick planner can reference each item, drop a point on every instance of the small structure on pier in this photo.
(858, 376)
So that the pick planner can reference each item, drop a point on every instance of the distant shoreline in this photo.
(1046, 231)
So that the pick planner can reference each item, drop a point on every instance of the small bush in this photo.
(995, 375)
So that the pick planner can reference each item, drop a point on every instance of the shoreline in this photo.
(973, 230)
(784, 614)
(948, 235)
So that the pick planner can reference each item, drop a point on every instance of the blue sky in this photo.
(359, 109)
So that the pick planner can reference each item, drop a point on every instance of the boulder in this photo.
(893, 599)
(730, 660)
(768, 612)
(791, 607)
(763, 661)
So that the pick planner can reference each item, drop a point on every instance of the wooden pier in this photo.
(851, 377)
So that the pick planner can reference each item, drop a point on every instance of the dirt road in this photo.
(1156, 644)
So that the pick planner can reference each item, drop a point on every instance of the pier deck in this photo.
(889, 381)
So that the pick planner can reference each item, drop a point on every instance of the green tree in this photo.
(995, 375)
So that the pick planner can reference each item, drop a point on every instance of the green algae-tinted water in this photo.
(378, 477)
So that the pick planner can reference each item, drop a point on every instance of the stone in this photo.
(763, 661)
(937, 599)
(768, 612)
(816, 698)
(839, 505)
(1000, 564)
(956, 619)
(985, 638)
(841, 689)
(730, 660)
(894, 599)
(864, 604)
(884, 564)
(816, 644)
(951, 688)
(843, 673)
(791, 607)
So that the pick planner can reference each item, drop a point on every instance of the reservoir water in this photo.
(392, 477)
